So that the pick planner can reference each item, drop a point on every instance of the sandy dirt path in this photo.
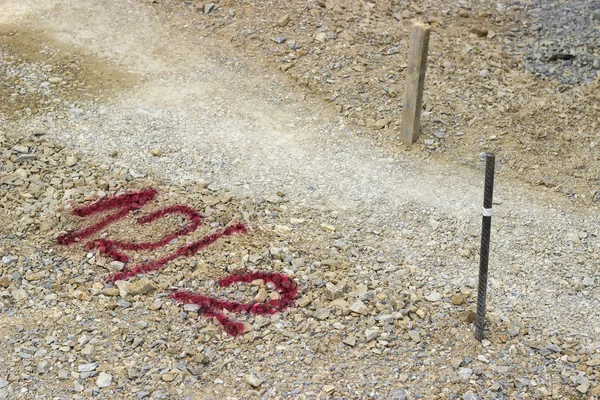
(216, 116)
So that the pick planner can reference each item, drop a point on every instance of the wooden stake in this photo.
(415, 80)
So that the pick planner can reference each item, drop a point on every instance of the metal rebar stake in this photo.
(486, 225)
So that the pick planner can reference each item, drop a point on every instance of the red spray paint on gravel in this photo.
(210, 307)
(124, 204)
(185, 251)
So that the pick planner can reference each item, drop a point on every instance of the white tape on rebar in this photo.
(487, 212)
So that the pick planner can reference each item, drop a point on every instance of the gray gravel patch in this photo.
(562, 40)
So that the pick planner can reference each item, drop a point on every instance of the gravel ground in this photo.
(479, 95)
(564, 40)
(382, 245)
(383, 310)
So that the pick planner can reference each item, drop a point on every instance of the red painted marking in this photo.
(124, 203)
(108, 247)
(209, 306)
(185, 251)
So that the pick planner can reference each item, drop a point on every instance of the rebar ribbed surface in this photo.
(486, 225)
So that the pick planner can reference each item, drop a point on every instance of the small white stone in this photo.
(116, 265)
(283, 229)
(328, 388)
(589, 282)
(359, 307)
(87, 367)
(371, 334)
(253, 380)
(104, 380)
(483, 358)
(414, 335)
(465, 373)
(433, 296)
(328, 227)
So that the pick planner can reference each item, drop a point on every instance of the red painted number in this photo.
(208, 306)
